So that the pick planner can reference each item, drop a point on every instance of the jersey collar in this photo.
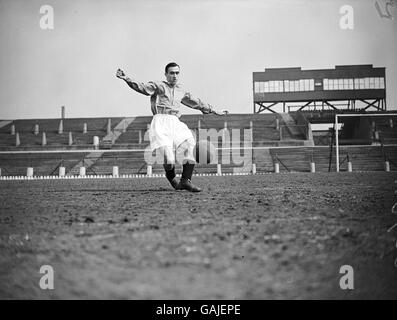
(178, 85)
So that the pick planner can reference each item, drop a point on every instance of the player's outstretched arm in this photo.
(195, 103)
(121, 75)
(147, 89)
(220, 112)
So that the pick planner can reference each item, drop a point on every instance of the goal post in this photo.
(352, 115)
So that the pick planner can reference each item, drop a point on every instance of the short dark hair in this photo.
(170, 65)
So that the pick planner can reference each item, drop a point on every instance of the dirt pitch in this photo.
(275, 236)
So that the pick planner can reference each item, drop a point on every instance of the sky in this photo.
(218, 44)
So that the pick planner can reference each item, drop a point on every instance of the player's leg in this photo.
(161, 142)
(169, 165)
(185, 144)
(185, 154)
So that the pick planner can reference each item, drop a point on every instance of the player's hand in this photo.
(120, 74)
(221, 112)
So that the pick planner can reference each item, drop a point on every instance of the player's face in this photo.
(172, 75)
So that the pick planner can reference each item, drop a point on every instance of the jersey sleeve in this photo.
(195, 103)
(150, 88)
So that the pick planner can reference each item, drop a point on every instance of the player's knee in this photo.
(191, 143)
(167, 156)
(186, 151)
(169, 159)
(187, 145)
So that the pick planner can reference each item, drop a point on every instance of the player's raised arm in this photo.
(195, 103)
(147, 89)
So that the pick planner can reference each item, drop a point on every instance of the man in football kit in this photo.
(166, 130)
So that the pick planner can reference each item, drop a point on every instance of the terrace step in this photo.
(117, 131)
(3, 123)
(88, 161)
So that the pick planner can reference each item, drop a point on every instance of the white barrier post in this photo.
(149, 170)
(82, 171)
(387, 166)
(109, 127)
(13, 129)
(252, 131)
(17, 141)
(44, 139)
(62, 171)
(29, 172)
(218, 169)
(276, 168)
(85, 128)
(36, 129)
(253, 168)
(96, 142)
(349, 167)
(60, 127)
(70, 142)
(391, 122)
(312, 167)
(115, 171)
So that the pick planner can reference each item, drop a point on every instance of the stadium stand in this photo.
(386, 128)
(275, 138)
(363, 158)
(55, 140)
(16, 164)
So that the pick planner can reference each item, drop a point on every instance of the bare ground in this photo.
(275, 236)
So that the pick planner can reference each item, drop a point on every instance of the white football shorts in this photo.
(167, 130)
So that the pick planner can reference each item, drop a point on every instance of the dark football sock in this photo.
(169, 171)
(188, 170)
